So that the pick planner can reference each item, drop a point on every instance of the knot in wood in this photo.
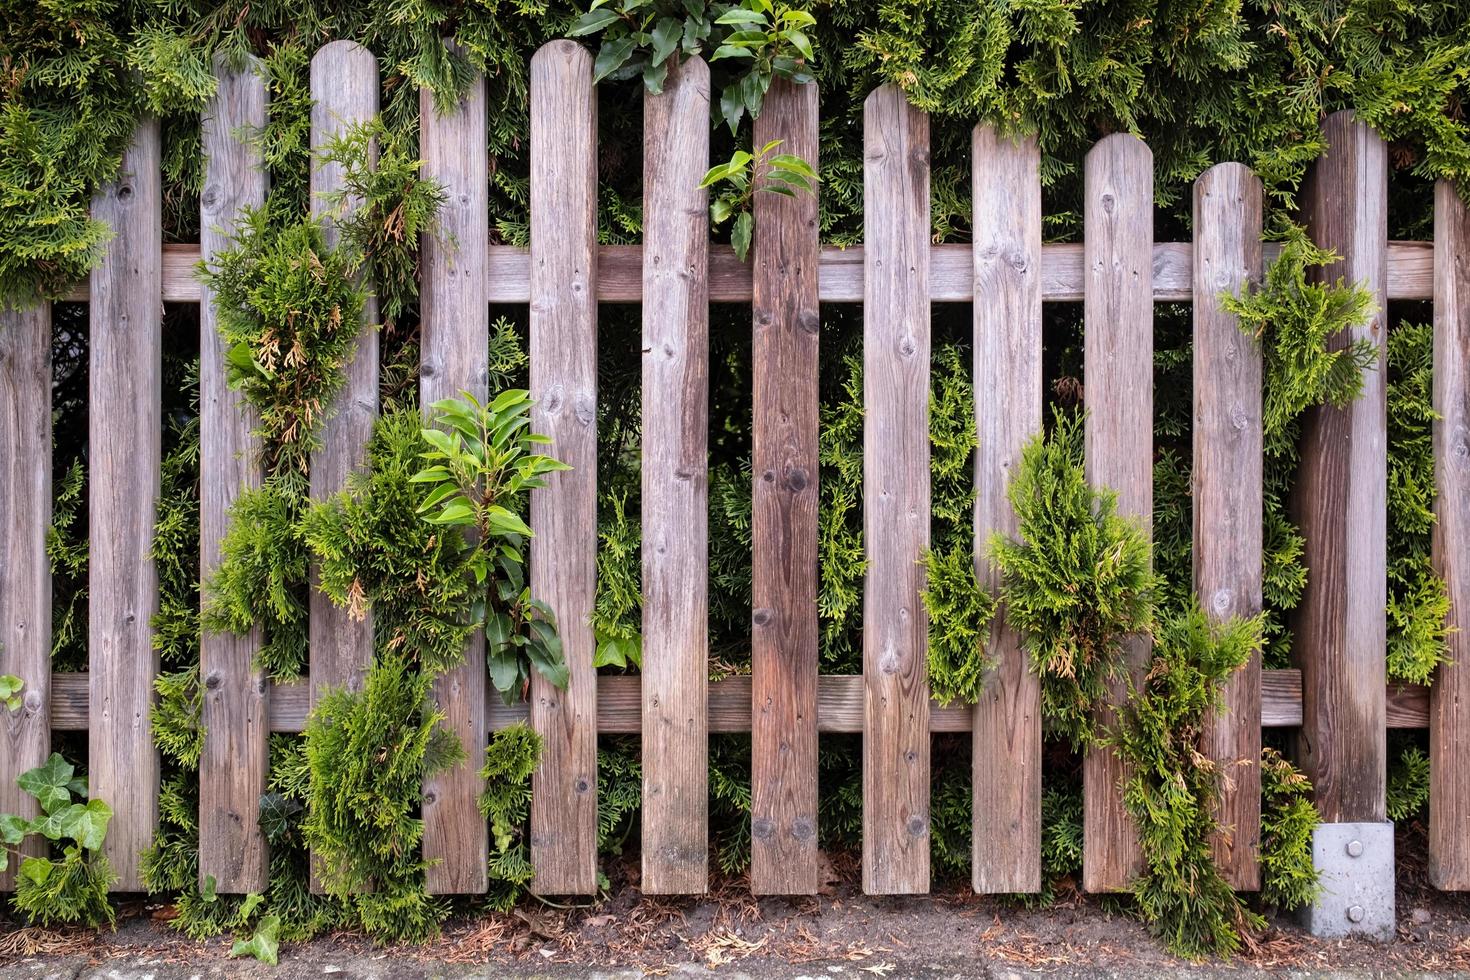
(583, 784)
(804, 828)
(809, 321)
(429, 799)
(585, 409)
(918, 825)
(1238, 417)
(907, 347)
(213, 681)
(1018, 259)
(762, 829)
(797, 479)
(761, 617)
(33, 702)
(889, 662)
(1221, 600)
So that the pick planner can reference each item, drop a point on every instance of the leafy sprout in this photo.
(746, 173)
(72, 888)
(643, 37)
(481, 464)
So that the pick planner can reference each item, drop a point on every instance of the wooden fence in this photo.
(1336, 698)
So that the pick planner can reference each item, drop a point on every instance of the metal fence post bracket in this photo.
(1357, 897)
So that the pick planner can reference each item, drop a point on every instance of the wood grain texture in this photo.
(784, 513)
(454, 356)
(235, 764)
(1118, 372)
(1340, 502)
(840, 274)
(564, 514)
(344, 85)
(1006, 749)
(25, 569)
(125, 435)
(675, 510)
(1229, 493)
(840, 705)
(896, 351)
(1449, 700)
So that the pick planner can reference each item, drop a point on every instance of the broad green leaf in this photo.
(37, 870)
(207, 891)
(666, 36)
(611, 56)
(432, 474)
(740, 235)
(504, 669)
(86, 823)
(592, 21)
(10, 686)
(441, 441)
(739, 16)
(264, 945)
(788, 161)
(654, 77)
(731, 51)
(251, 903)
(732, 106)
(48, 783)
(800, 42)
(508, 398)
(13, 829)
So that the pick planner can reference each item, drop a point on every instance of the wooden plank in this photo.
(125, 435)
(840, 276)
(1228, 493)
(564, 514)
(1006, 749)
(896, 498)
(784, 518)
(840, 705)
(1340, 502)
(1118, 372)
(344, 89)
(454, 356)
(676, 485)
(235, 763)
(25, 569)
(1449, 710)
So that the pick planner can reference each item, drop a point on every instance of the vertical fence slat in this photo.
(25, 570)
(125, 433)
(896, 494)
(564, 514)
(1340, 502)
(1118, 309)
(235, 763)
(1006, 742)
(1449, 696)
(344, 87)
(1228, 491)
(784, 519)
(454, 358)
(676, 485)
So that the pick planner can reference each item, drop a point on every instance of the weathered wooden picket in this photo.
(1336, 698)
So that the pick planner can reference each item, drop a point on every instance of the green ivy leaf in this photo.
(264, 945)
(13, 829)
(36, 870)
(49, 783)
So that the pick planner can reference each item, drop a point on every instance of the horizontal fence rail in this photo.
(1334, 697)
(840, 273)
(839, 705)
